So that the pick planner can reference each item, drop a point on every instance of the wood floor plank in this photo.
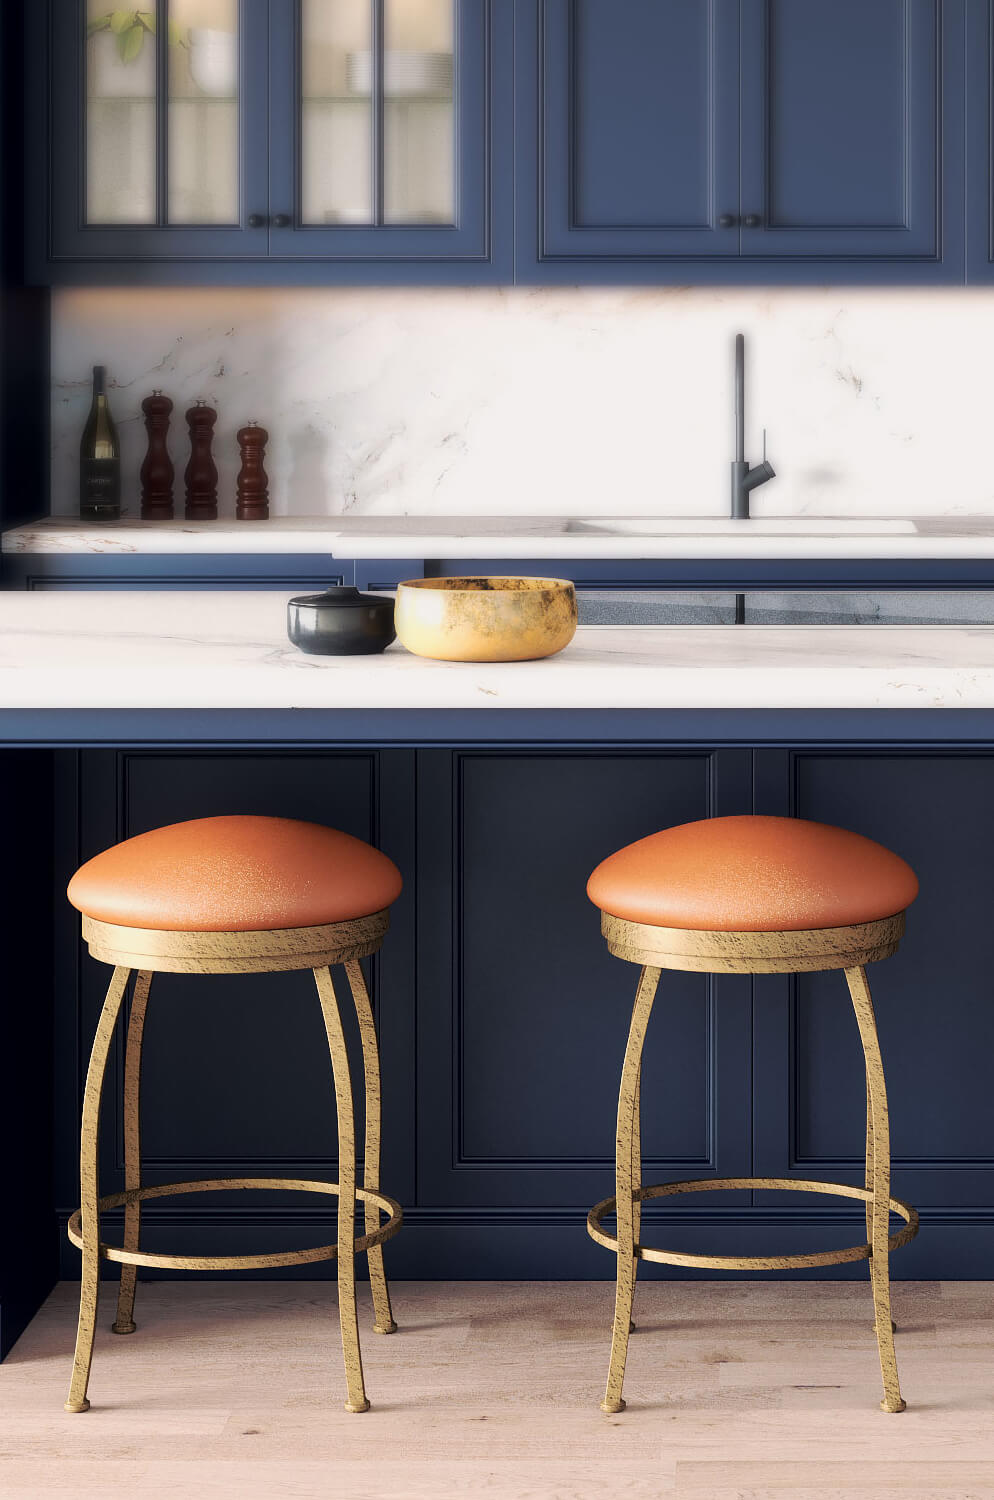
(831, 1478)
(736, 1391)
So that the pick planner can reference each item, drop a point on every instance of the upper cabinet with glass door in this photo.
(241, 140)
(381, 148)
(159, 130)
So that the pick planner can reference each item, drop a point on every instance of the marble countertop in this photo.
(228, 650)
(448, 537)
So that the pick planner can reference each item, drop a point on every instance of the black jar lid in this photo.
(341, 596)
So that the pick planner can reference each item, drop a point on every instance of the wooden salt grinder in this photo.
(157, 472)
(253, 483)
(201, 471)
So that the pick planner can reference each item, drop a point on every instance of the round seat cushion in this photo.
(753, 874)
(235, 874)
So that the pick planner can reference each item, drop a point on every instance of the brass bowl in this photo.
(485, 619)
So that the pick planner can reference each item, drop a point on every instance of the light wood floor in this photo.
(736, 1391)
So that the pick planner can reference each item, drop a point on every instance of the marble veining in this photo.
(228, 650)
(565, 401)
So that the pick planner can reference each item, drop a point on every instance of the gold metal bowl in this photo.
(485, 619)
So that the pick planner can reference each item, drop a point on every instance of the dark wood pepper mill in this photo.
(253, 482)
(157, 472)
(201, 471)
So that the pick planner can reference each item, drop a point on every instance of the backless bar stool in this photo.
(234, 895)
(752, 895)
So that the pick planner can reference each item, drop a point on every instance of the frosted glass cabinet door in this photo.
(166, 109)
(199, 139)
(376, 112)
(370, 98)
(202, 110)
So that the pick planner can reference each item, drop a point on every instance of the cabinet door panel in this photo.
(980, 140)
(523, 1014)
(636, 128)
(840, 128)
(161, 138)
(381, 138)
(935, 1021)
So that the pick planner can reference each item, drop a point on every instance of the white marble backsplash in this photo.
(580, 402)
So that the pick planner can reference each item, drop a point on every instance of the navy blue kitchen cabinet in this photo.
(301, 144)
(290, 573)
(503, 1018)
(762, 141)
(718, 141)
(932, 998)
(980, 141)
(236, 1074)
(523, 1014)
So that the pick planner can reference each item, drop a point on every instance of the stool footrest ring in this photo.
(753, 1262)
(239, 1262)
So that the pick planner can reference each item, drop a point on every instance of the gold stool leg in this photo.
(90, 1191)
(879, 1142)
(628, 1098)
(346, 1192)
(868, 1179)
(636, 1180)
(371, 1156)
(125, 1321)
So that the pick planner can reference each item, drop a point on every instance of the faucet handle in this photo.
(764, 445)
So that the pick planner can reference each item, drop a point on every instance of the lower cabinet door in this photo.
(932, 1001)
(523, 1013)
(237, 1077)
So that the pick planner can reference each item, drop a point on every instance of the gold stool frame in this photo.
(144, 951)
(658, 948)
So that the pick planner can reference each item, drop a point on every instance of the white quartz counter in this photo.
(228, 650)
(447, 537)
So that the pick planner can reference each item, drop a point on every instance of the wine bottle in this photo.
(99, 459)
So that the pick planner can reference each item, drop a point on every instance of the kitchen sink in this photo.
(786, 526)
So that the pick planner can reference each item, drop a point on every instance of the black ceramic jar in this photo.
(341, 622)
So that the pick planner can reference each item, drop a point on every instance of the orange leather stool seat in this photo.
(753, 874)
(235, 874)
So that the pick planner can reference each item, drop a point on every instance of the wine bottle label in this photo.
(100, 488)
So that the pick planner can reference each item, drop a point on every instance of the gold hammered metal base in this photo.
(266, 1262)
(848, 948)
(753, 1262)
(145, 952)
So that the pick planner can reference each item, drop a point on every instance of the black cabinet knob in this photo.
(257, 221)
(281, 221)
(728, 221)
(752, 221)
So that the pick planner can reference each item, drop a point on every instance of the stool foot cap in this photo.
(385, 1327)
(77, 1406)
(631, 1327)
(613, 1406)
(123, 1327)
(893, 1327)
(349, 1406)
(889, 1407)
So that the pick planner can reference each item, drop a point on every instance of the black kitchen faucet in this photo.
(744, 478)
